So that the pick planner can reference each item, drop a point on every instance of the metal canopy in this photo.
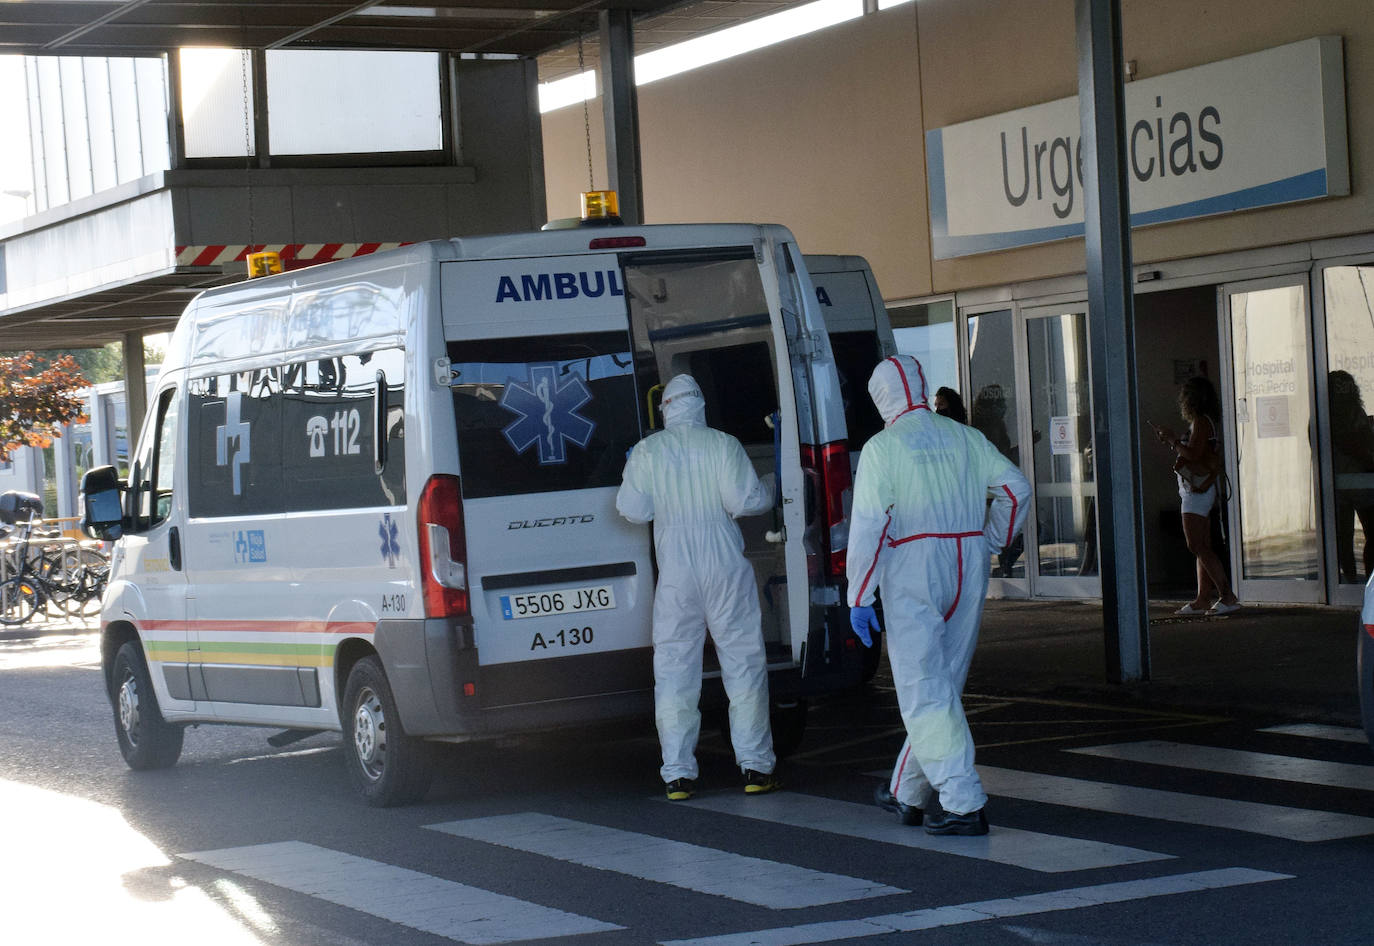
(544, 29)
(150, 27)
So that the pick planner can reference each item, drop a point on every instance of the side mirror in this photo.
(104, 514)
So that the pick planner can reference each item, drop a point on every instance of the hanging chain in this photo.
(247, 138)
(586, 119)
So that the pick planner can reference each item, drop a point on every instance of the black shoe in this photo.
(681, 789)
(760, 783)
(910, 814)
(947, 822)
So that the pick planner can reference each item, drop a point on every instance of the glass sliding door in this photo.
(993, 404)
(1347, 294)
(1274, 551)
(1060, 415)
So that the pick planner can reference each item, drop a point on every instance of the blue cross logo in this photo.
(391, 546)
(547, 406)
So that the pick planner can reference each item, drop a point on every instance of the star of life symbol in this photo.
(547, 406)
(391, 545)
(232, 440)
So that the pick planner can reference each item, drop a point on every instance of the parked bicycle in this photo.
(70, 577)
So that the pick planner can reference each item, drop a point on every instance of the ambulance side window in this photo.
(329, 419)
(150, 482)
(233, 438)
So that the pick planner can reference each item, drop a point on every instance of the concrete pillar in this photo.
(135, 387)
(620, 107)
(1111, 327)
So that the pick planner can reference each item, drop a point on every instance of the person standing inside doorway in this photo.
(923, 529)
(1200, 472)
(692, 482)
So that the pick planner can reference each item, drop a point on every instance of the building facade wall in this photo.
(825, 133)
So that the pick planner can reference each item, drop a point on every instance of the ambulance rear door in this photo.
(716, 313)
(860, 336)
(542, 376)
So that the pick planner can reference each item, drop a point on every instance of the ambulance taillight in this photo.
(443, 548)
(830, 464)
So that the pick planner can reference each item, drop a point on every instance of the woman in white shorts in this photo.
(1198, 403)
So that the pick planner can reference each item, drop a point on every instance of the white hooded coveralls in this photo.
(922, 529)
(692, 482)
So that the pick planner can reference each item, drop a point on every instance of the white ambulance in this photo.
(378, 496)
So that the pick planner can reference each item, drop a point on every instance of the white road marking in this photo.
(1028, 849)
(1295, 824)
(410, 898)
(1052, 901)
(1318, 731)
(677, 863)
(1238, 762)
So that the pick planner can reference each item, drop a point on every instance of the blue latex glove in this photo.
(864, 621)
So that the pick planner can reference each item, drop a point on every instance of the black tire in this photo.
(789, 726)
(146, 740)
(387, 766)
(19, 597)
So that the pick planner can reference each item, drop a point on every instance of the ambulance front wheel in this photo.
(146, 740)
(387, 766)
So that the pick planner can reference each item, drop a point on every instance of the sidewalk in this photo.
(1291, 661)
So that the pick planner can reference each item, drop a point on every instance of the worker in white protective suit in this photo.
(924, 531)
(692, 482)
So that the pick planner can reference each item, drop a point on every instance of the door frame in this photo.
(1337, 593)
(1257, 589)
(1043, 586)
(998, 587)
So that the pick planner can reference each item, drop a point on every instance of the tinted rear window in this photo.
(856, 355)
(539, 415)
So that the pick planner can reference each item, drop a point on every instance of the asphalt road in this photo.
(1111, 824)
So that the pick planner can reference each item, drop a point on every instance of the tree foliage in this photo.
(36, 399)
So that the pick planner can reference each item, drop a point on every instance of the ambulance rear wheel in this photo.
(386, 765)
(146, 740)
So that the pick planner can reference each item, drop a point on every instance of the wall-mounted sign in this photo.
(1266, 128)
(1063, 435)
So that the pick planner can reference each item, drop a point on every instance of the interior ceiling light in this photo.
(458, 13)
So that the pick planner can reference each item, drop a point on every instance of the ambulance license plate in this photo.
(538, 604)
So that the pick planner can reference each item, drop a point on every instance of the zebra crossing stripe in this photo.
(677, 863)
(1318, 731)
(1031, 850)
(410, 898)
(1239, 762)
(1052, 901)
(1295, 824)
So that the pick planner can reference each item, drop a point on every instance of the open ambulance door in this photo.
(716, 313)
(860, 336)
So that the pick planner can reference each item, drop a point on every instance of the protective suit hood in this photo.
(898, 385)
(683, 404)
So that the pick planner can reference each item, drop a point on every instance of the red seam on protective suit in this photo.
(1011, 525)
(922, 372)
(933, 535)
(863, 585)
(905, 387)
(959, 585)
(914, 407)
(901, 766)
